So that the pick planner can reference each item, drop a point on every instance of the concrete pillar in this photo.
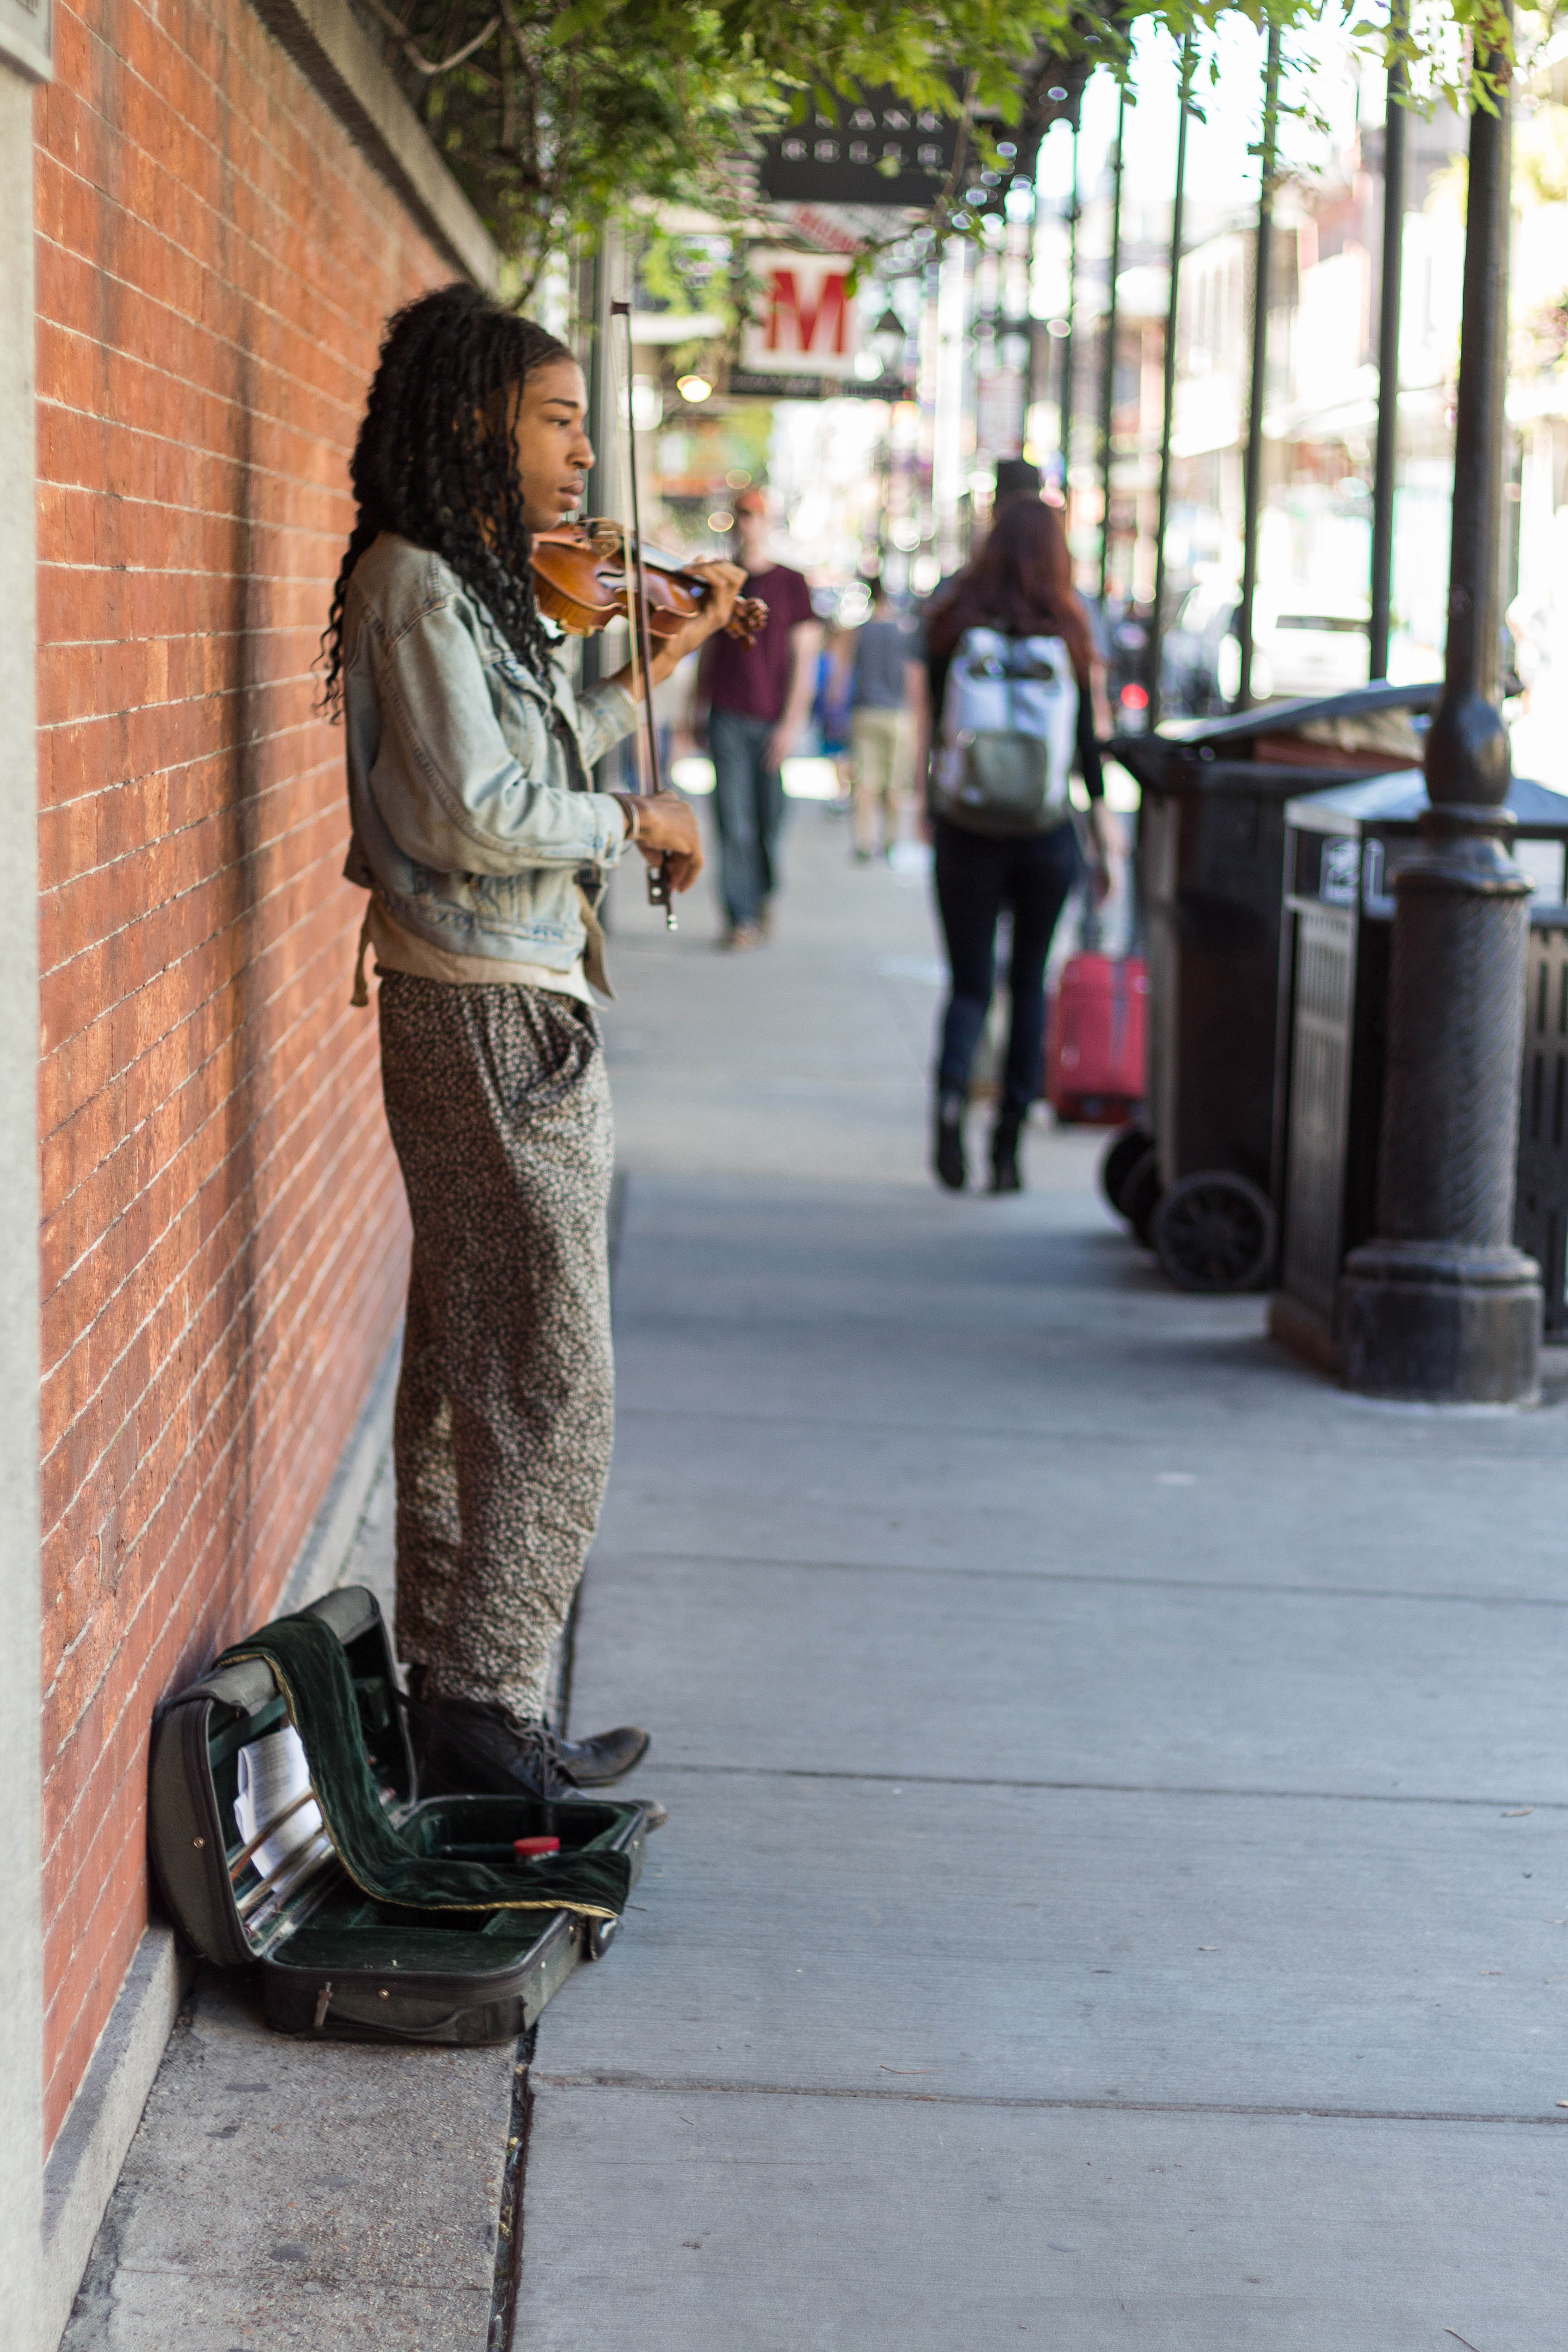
(21, 1945)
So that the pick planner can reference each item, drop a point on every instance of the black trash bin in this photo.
(1342, 849)
(1195, 1182)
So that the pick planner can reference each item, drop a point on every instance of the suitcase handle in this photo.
(383, 2025)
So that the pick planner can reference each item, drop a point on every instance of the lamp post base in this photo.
(1441, 1323)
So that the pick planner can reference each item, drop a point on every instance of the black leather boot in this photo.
(456, 1739)
(947, 1152)
(1005, 1176)
(476, 1748)
(608, 1755)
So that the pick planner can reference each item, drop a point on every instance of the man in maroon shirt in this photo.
(759, 697)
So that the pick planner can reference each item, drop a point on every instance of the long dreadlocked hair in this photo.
(434, 462)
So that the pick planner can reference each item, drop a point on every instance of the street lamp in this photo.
(887, 340)
(1441, 1306)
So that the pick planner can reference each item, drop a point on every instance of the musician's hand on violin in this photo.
(725, 582)
(666, 826)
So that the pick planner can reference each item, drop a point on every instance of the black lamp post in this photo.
(1262, 272)
(1107, 373)
(1442, 1305)
(1385, 471)
(1168, 399)
(1065, 410)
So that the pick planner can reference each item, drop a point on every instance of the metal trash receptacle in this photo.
(1343, 848)
(1195, 1182)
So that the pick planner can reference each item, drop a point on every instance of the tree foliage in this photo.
(556, 119)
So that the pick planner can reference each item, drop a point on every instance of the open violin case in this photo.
(255, 1877)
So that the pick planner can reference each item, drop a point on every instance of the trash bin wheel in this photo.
(1121, 1155)
(1215, 1232)
(1141, 1196)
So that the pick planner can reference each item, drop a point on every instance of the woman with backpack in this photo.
(1008, 656)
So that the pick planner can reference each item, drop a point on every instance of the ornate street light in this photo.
(887, 340)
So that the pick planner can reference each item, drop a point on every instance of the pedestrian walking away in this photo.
(1010, 666)
(485, 853)
(887, 702)
(759, 697)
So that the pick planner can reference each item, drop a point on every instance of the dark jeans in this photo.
(749, 806)
(975, 878)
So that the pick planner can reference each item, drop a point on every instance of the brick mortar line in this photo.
(223, 983)
(287, 1300)
(200, 1560)
(127, 860)
(243, 1299)
(268, 206)
(231, 868)
(329, 1091)
(298, 1319)
(312, 913)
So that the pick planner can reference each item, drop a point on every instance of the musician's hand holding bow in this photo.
(663, 825)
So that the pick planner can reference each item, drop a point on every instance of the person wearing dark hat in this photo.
(1016, 478)
(759, 699)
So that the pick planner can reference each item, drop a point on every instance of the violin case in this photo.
(334, 1963)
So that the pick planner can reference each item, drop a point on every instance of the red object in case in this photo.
(1095, 1039)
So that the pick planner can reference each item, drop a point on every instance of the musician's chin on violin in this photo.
(585, 576)
(485, 850)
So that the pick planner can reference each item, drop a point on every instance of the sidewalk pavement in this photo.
(1115, 1891)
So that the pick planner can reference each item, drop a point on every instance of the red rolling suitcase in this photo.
(1095, 1039)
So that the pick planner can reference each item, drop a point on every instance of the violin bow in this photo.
(660, 893)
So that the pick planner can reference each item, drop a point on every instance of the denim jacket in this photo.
(468, 779)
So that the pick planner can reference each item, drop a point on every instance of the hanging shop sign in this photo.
(803, 337)
(874, 149)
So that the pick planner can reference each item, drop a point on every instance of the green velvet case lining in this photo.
(313, 1674)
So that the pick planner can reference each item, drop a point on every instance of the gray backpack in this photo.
(1009, 727)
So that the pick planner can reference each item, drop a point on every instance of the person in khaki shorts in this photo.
(887, 702)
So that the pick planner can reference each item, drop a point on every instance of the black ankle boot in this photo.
(1005, 1176)
(947, 1156)
(465, 1747)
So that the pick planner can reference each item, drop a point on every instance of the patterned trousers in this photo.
(499, 1111)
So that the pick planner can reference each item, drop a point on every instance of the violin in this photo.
(585, 575)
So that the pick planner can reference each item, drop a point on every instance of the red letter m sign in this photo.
(817, 330)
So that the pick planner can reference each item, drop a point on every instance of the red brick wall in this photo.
(222, 1239)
